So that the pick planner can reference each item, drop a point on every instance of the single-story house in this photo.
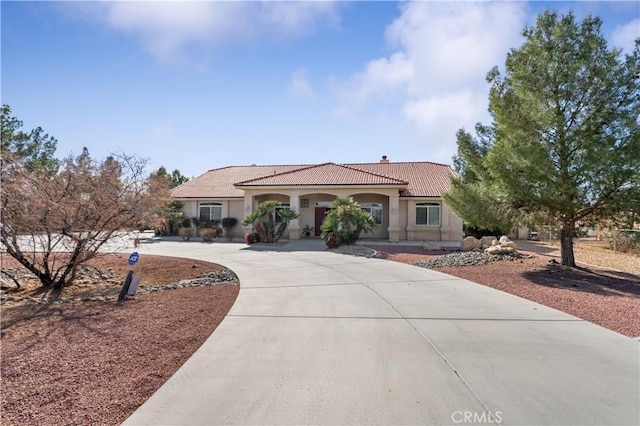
(405, 198)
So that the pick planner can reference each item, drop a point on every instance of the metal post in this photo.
(125, 286)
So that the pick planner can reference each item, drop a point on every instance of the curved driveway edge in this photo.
(321, 338)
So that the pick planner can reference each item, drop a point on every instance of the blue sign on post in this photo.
(133, 258)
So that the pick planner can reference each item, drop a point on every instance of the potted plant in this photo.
(307, 230)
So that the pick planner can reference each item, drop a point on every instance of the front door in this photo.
(320, 213)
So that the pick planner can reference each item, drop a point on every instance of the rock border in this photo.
(221, 277)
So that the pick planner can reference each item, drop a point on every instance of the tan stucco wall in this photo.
(381, 230)
(450, 228)
(235, 210)
(307, 215)
(230, 208)
(190, 208)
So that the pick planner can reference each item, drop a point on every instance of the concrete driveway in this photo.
(322, 338)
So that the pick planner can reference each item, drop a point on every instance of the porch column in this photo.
(394, 218)
(248, 208)
(294, 226)
(444, 222)
(411, 220)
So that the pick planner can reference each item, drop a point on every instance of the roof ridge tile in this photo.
(404, 162)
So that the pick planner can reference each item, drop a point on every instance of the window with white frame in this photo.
(375, 210)
(280, 207)
(210, 212)
(428, 214)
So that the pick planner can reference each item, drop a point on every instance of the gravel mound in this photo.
(465, 258)
(356, 250)
(112, 291)
(224, 276)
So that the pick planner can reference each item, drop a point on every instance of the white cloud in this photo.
(166, 28)
(294, 18)
(450, 109)
(442, 52)
(623, 36)
(300, 87)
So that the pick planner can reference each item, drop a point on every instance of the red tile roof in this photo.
(417, 179)
(324, 174)
(425, 179)
(218, 183)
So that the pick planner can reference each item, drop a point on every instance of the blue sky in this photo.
(200, 85)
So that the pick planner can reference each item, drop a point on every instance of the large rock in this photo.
(487, 241)
(500, 250)
(470, 243)
(506, 242)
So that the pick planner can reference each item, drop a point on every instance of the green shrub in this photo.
(227, 224)
(345, 221)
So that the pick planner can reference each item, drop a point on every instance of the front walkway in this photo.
(321, 338)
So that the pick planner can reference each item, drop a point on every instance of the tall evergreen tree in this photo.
(564, 143)
(35, 148)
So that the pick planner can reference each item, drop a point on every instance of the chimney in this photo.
(384, 160)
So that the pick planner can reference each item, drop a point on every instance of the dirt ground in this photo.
(609, 298)
(95, 362)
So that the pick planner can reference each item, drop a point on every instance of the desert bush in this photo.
(185, 233)
(208, 234)
(625, 240)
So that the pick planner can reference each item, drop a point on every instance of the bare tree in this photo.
(52, 224)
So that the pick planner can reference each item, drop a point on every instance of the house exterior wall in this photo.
(308, 214)
(190, 208)
(230, 208)
(403, 215)
(450, 228)
(235, 210)
(381, 230)
(253, 196)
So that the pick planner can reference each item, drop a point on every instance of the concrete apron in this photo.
(321, 338)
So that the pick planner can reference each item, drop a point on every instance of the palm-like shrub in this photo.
(345, 222)
(269, 226)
